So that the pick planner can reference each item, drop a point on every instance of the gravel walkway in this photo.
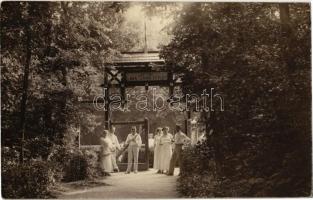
(145, 184)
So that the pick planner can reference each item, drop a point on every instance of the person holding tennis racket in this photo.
(134, 143)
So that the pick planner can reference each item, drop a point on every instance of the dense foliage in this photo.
(257, 56)
(52, 54)
(29, 180)
(35, 177)
(68, 44)
(72, 164)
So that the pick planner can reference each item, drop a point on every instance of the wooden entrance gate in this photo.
(136, 69)
(144, 133)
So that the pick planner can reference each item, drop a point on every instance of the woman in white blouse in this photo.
(165, 150)
(156, 160)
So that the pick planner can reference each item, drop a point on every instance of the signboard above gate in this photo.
(146, 76)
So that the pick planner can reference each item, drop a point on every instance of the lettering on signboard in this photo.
(146, 76)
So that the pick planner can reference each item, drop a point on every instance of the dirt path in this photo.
(146, 184)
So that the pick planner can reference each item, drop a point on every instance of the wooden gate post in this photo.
(107, 108)
(146, 125)
(186, 127)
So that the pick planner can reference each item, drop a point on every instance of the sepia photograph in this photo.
(147, 99)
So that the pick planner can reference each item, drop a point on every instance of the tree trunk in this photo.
(25, 88)
(287, 36)
(284, 17)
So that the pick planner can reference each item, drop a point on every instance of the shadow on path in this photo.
(145, 184)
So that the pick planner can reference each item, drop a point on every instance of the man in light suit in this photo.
(134, 143)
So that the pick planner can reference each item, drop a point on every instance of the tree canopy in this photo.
(257, 55)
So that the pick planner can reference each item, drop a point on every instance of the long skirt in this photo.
(106, 163)
(165, 156)
(156, 157)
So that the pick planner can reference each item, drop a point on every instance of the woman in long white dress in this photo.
(166, 150)
(106, 153)
(156, 154)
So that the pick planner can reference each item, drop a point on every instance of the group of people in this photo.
(165, 156)
(110, 148)
(167, 150)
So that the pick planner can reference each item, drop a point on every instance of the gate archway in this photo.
(133, 69)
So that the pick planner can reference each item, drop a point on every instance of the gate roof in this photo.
(135, 58)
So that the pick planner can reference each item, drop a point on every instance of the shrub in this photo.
(92, 158)
(197, 177)
(31, 179)
(201, 156)
(37, 147)
(10, 155)
(228, 170)
(76, 168)
(59, 157)
(34, 177)
(197, 186)
(72, 164)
